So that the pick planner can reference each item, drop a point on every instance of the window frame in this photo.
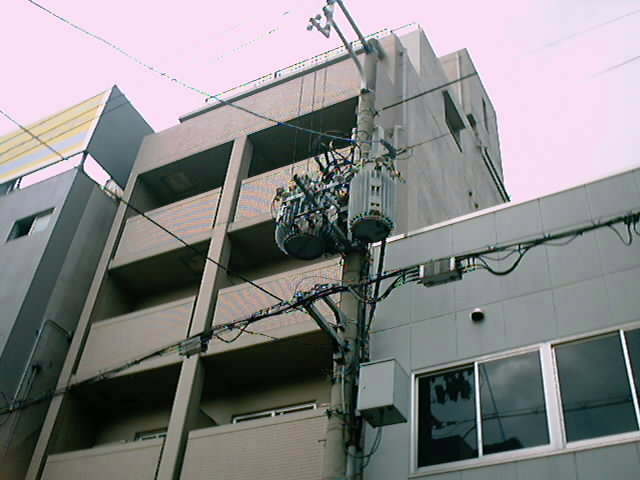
(453, 120)
(49, 213)
(553, 405)
(273, 412)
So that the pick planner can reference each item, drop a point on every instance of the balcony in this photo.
(288, 446)
(240, 301)
(116, 340)
(191, 219)
(121, 461)
(257, 192)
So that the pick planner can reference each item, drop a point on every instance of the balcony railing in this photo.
(115, 341)
(289, 446)
(240, 301)
(190, 219)
(122, 461)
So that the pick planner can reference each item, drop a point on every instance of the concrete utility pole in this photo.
(344, 434)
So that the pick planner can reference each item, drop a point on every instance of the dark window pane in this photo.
(633, 345)
(512, 404)
(596, 398)
(446, 417)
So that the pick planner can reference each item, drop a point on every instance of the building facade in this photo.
(254, 405)
(54, 221)
(546, 385)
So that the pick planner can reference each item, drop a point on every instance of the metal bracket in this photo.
(324, 325)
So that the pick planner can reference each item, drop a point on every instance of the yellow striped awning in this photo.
(67, 132)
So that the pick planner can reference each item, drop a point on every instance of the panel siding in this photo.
(117, 340)
(119, 462)
(288, 447)
(556, 292)
(240, 301)
(256, 193)
(188, 219)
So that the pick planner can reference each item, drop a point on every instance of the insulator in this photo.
(372, 201)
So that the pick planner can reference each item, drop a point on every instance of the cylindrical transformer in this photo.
(299, 234)
(372, 201)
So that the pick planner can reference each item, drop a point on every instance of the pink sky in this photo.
(561, 123)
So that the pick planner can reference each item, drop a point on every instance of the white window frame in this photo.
(553, 405)
(150, 434)
(274, 412)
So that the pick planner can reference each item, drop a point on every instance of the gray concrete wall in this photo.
(20, 259)
(46, 278)
(443, 180)
(588, 285)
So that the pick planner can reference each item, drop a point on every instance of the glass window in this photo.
(595, 391)
(29, 225)
(633, 346)
(447, 417)
(512, 404)
(452, 119)
(41, 222)
(512, 408)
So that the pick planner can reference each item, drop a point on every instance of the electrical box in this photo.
(383, 393)
(437, 272)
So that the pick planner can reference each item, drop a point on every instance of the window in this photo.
(481, 409)
(151, 434)
(453, 119)
(546, 399)
(30, 225)
(595, 388)
(274, 412)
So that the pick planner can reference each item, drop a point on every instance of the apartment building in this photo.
(546, 384)
(54, 221)
(254, 405)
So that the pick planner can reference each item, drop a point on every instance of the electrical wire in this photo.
(431, 90)
(587, 30)
(302, 298)
(182, 83)
(376, 288)
(145, 216)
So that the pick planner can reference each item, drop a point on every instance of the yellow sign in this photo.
(67, 133)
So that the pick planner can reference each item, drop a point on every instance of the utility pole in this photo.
(344, 429)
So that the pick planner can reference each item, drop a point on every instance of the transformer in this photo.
(311, 220)
(372, 200)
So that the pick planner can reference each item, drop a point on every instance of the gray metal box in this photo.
(383, 393)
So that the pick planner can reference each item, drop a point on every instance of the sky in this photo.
(563, 75)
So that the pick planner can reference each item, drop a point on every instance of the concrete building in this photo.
(255, 406)
(54, 221)
(546, 386)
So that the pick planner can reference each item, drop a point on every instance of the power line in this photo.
(184, 84)
(205, 336)
(145, 216)
(302, 298)
(587, 30)
(431, 90)
(616, 66)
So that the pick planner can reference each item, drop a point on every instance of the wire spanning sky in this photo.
(563, 76)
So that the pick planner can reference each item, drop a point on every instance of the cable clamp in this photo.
(193, 346)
